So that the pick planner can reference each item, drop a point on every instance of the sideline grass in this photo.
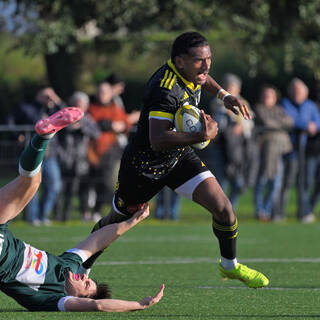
(183, 256)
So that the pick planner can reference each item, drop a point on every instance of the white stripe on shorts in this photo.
(188, 187)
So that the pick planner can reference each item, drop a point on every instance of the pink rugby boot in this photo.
(58, 120)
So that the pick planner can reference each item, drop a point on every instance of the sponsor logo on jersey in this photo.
(34, 267)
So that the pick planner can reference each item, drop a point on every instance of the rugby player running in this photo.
(36, 279)
(159, 156)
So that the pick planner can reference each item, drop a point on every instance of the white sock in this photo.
(228, 264)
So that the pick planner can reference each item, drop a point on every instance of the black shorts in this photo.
(134, 188)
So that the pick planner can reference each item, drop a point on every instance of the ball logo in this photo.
(191, 126)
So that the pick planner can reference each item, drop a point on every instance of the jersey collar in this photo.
(189, 84)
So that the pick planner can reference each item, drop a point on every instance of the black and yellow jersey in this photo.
(166, 91)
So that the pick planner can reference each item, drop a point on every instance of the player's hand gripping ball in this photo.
(188, 119)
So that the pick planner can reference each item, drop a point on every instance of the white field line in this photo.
(147, 239)
(266, 288)
(186, 260)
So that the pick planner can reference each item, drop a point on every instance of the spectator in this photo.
(231, 150)
(312, 189)
(168, 204)
(46, 103)
(273, 141)
(105, 152)
(73, 156)
(306, 119)
(118, 87)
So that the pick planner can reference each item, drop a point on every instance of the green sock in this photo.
(31, 158)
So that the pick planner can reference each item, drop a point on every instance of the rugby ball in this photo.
(187, 119)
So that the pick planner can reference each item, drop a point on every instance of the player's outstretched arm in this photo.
(231, 102)
(103, 237)
(235, 105)
(112, 305)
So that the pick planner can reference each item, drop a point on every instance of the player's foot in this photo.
(252, 278)
(58, 120)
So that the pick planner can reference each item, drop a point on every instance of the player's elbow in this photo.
(100, 306)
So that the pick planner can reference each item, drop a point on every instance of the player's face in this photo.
(195, 65)
(79, 285)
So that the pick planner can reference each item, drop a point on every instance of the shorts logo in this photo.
(120, 203)
(34, 267)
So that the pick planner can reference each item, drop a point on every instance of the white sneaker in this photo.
(309, 218)
(36, 223)
(46, 222)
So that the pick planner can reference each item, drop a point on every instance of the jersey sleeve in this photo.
(162, 104)
(61, 303)
(35, 300)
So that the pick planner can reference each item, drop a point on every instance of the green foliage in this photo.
(19, 74)
(260, 40)
(291, 27)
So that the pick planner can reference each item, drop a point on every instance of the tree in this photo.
(278, 34)
(61, 30)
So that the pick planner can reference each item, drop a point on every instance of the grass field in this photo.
(184, 256)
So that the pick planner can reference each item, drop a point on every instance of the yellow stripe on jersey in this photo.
(164, 78)
(189, 84)
(161, 115)
(168, 80)
(172, 82)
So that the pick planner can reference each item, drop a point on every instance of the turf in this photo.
(184, 256)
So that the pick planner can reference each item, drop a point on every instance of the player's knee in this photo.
(224, 212)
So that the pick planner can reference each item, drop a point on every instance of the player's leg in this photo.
(209, 194)
(133, 191)
(17, 194)
(114, 216)
(193, 180)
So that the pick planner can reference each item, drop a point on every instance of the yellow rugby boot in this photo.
(250, 277)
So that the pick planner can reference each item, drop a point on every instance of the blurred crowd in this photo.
(272, 153)
(276, 150)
